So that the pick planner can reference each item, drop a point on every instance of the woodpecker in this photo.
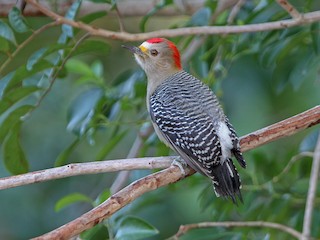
(188, 118)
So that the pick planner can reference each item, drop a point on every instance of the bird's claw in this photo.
(179, 162)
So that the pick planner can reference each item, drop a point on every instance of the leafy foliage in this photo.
(261, 78)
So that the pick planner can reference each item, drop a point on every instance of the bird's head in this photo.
(158, 57)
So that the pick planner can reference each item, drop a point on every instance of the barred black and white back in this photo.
(188, 118)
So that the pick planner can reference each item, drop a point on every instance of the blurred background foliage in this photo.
(68, 97)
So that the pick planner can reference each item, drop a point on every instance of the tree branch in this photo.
(289, 8)
(255, 139)
(167, 176)
(294, 159)
(116, 202)
(206, 30)
(281, 129)
(26, 42)
(127, 8)
(185, 228)
(122, 176)
(76, 169)
(315, 169)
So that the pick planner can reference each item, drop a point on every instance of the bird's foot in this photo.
(179, 162)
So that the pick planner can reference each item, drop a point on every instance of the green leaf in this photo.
(71, 14)
(309, 142)
(93, 16)
(22, 73)
(13, 155)
(110, 145)
(7, 33)
(125, 88)
(269, 56)
(35, 57)
(79, 67)
(82, 110)
(156, 8)
(63, 156)
(315, 35)
(12, 97)
(305, 68)
(4, 45)
(99, 231)
(133, 228)
(97, 68)
(12, 119)
(201, 17)
(71, 199)
(300, 186)
(17, 21)
(102, 197)
(4, 82)
(43, 52)
(92, 46)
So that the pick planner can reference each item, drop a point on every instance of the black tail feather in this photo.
(238, 155)
(226, 181)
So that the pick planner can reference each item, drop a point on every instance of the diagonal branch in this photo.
(116, 202)
(205, 30)
(281, 129)
(289, 8)
(173, 174)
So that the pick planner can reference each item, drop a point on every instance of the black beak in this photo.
(133, 49)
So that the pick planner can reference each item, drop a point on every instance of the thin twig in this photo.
(276, 195)
(56, 74)
(25, 42)
(122, 176)
(315, 169)
(234, 11)
(197, 42)
(121, 24)
(185, 228)
(75, 169)
(289, 8)
(290, 164)
(205, 30)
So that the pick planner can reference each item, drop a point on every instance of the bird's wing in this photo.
(194, 138)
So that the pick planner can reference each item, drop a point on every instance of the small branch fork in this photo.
(206, 30)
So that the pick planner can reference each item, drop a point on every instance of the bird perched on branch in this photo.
(187, 117)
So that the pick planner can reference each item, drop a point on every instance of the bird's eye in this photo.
(154, 52)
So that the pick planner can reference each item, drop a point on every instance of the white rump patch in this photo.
(224, 133)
